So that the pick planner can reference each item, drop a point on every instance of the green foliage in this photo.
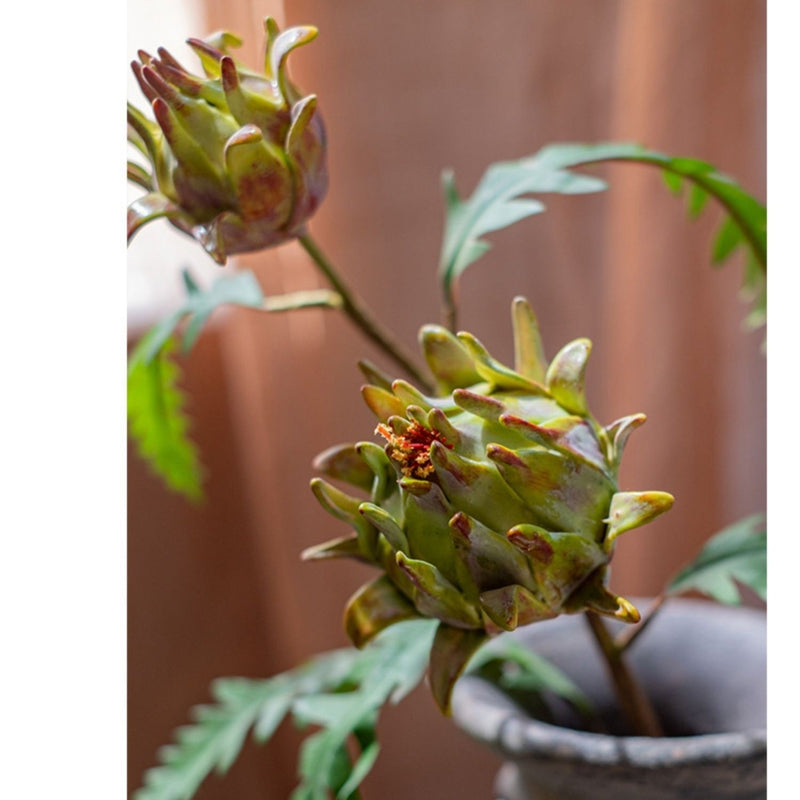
(738, 553)
(159, 433)
(497, 202)
(514, 668)
(217, 734)
(388, 670)
(340, 695)
(340, 692)
(157, 420)
(240, 288)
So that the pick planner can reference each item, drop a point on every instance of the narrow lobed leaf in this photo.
(158, 423)
(737, 554)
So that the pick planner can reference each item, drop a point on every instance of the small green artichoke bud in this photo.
(491, 505)
(237, 158)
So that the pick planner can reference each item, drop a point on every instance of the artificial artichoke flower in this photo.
(492, 505)
(238, 158)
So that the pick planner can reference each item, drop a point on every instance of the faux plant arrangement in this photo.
(487, 499)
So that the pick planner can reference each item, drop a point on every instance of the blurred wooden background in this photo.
(407, 90)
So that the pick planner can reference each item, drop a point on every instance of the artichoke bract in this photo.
(237, 158)
(491, 505)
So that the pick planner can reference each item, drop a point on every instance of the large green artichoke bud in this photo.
(238, 158)
(491, 505)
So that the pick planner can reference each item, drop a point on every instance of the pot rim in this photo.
(491, 717)
(523, 736)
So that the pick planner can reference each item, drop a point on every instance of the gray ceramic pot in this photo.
(703, 666)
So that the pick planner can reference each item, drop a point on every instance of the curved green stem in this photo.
(360, 315)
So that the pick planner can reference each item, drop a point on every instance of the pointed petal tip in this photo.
(460, 524)
(617, 607)
(529, 357)
(415, 486)
(629, 510)
(532, 541)
(594, 596)
(247, 134)
(498, 453)
(229, 74)
(470, 340)
(451, 652)
(374, 607)
(628, 612)
(307, 554)
(429, 329)
(566, 376)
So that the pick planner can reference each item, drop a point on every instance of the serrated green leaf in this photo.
(156, 408)
(727, 239)
(215, 738)
(736, 554)
(514, 667)
(748, 214)
(673, 182)
(393, 664)
(240, 289)
(369, 755)
(697, 201)
(158, 423)
(744, 213)
(495, 202)
(342, 691)
(337, 769)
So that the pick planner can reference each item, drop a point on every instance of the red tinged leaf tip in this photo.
(162, 115)
(147, 90)
(162, 88)
(181, 80)
(459, 523)
(453, 466)
(511, 421)
(205, 47)
(439, 422)
(170, 60)
(402, 562)
(240, 198)
(537, 547)
(468, 397)
(505, 456)
(230, 75)
(247, 134)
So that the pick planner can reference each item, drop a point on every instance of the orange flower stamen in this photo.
(412, 449)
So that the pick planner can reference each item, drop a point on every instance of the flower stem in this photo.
(312, 298)
(361, 316)
(634, 703)
(449, 312)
